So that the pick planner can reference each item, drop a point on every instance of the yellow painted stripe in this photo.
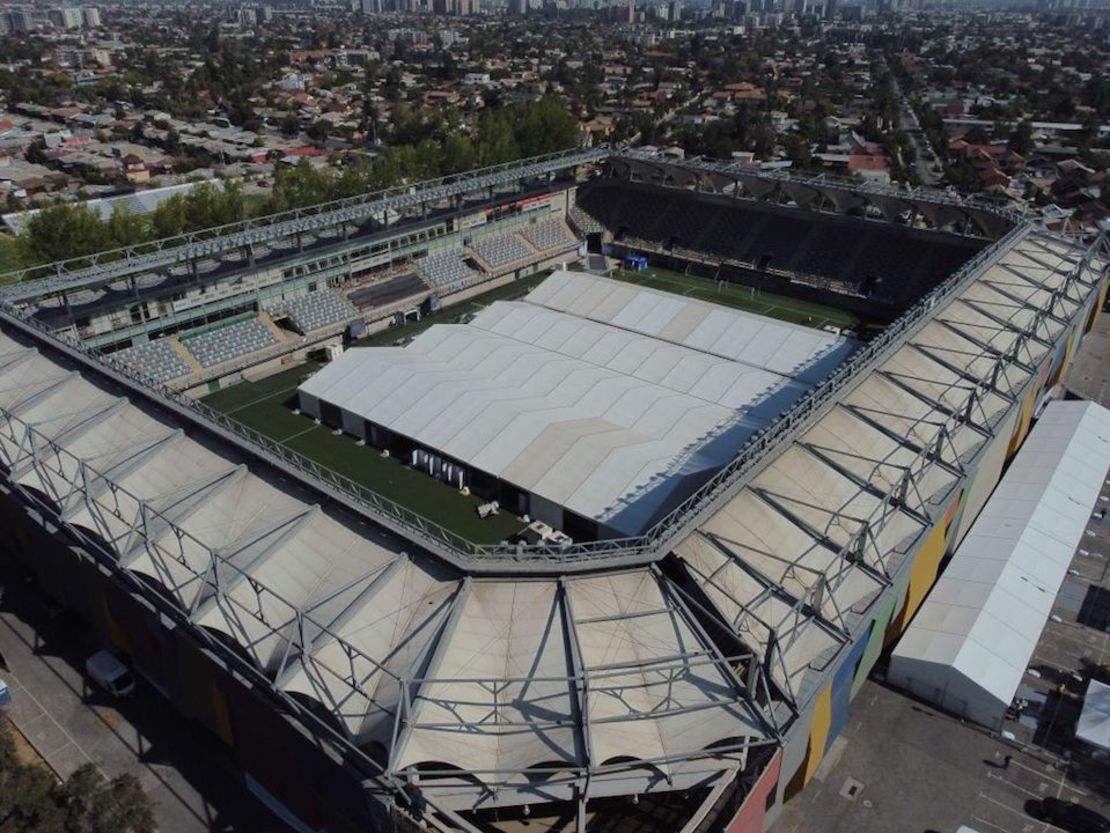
(1023, 424)
(221, 716)
(818, 733)
(926, 564)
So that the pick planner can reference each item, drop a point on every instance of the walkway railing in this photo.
(653, 544)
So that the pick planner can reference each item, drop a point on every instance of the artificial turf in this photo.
(267, 405)
(741, 297)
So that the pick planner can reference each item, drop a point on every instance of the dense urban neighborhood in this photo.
(125, 107)
(555, 416)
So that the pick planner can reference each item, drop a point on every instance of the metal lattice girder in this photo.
(577, 680)
(841, 190)
(665, 534)
(785, 630)
(952, 418)
(107, 267)
(325, 651)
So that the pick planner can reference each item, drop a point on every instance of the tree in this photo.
(977, 136)
(318, 131)
(1021, 140)
(26, 793)
(94, 804)
(36, 153)
(124, 229)
(61, 231)
(497, 143)
(459, 154)
(172, 143)
(290, 125)
(169, 218)
(32, 801)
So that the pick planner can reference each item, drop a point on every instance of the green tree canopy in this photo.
(32, 801)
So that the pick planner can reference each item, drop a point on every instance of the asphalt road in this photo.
(907, 120)
(190, 779)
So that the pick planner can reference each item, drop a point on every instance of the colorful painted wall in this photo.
(824, 718)
(925, 567)
(752, 814)
(981, 482)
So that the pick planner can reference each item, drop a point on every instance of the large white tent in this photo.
(972, 639)
(606, 399)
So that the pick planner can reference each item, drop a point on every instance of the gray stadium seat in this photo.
(230, 342)
(154, 360)
(448, 271)
(314, 310)
(549, 234)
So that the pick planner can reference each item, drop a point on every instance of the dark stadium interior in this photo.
(383, 293)
(887, 263)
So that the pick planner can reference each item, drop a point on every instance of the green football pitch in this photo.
(741, 297)
(267, 405)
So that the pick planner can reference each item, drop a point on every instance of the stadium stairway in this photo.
(277, 331)
(186, 356)
(532, 250)
(481, 263)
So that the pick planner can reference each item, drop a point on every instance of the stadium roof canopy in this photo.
(610, 400)
(973, 637)
(529, 686)
(793, 560)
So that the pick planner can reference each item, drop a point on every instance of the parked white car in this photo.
(108, 671)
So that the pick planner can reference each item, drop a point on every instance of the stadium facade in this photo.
(367, 668)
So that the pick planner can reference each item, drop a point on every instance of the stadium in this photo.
(437, 520)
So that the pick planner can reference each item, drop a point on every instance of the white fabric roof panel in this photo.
(390, 625)
(103, 441)
(503, 687)
(706, 376)
(754, 611)
(786, 553)
(264, 624)
(502, 696)
(879, 400)
(802, 353)
(975, 633)
(336, 614)
(776, 539)
(644, 663)
(610, 422)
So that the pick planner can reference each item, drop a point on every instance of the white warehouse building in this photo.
(971, 642)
